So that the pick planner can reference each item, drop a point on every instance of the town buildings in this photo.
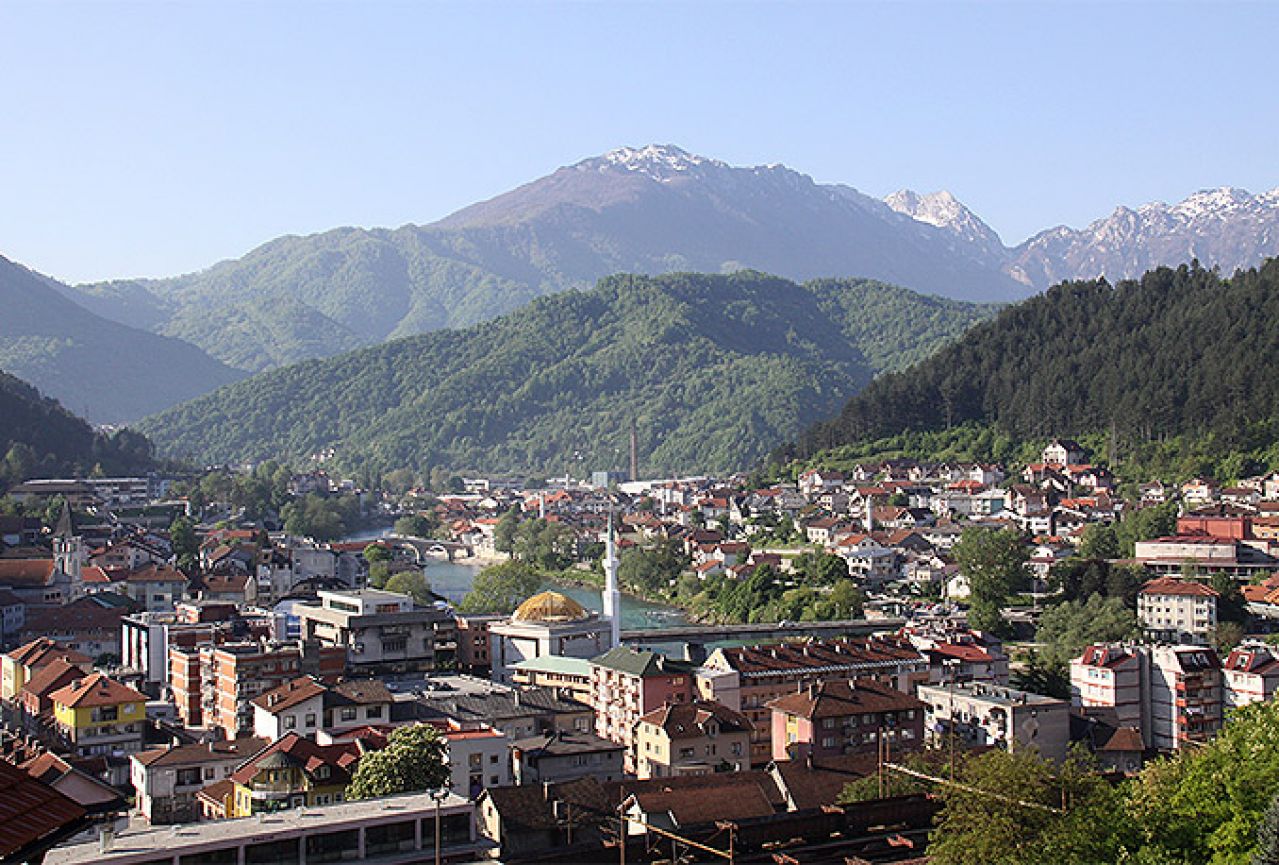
(748, 678)
(168, 779)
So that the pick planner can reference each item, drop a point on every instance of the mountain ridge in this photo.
(111, 372)
(715, 369)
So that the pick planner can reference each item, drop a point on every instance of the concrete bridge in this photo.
(429, 548)
(758, 633)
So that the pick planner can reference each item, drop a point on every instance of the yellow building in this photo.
(17, 667)
(695, 738)
(290, 773)
(98, 715)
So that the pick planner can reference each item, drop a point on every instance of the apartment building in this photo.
(381, 632)
(1177, 611)
(627, 683)
(219, 682)
(748, 678)
(1170, 694)
(977, 713)
(836, 717)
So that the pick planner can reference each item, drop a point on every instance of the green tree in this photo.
(186, 546)
(1230, 603)
(412, 583)
(414, 760)
(1068, 627)
(379, 573)
(649, 570)
(1267, 852)
(376, 553)
(419, 525)
(994, 561)
(504, 532)
(501, 588)
(1099, 541)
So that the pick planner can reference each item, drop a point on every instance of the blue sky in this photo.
(148, 139)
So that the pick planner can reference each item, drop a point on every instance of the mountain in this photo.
(714, 369)
(109, 371)
(1226, 228)
(649, 210)
(40, 438)
(1179, 353)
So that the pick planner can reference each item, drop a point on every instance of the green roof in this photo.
(636, 662)
(556, 664)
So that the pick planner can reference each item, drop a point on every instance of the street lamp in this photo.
(438, 794)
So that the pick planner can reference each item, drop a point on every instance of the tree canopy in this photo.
(414, 760)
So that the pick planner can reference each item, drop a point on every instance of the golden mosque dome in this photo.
(550, 607)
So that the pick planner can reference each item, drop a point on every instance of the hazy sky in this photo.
(148, 139)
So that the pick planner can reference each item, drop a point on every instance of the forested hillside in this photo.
(107, 371)
(1180, 354)
(39, 438)
(715, 370)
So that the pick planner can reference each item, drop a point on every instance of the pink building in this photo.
(845, 716)
(627, 683)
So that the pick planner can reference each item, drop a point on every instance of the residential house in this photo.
(292, 773)
(1250, 675)
(835, 717)
(562, 756)
(694, 738)
(20, 665)
(97, 715)
(1063, 452)
(167, 779)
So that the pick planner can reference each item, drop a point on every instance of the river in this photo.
(453, 580)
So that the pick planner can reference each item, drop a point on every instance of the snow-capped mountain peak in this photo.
(942, 210)
(658, 161)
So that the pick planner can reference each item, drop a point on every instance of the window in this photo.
(493, 759)
(373, 712)
(396, 645)
(348, 713)
(310, 719)
(322, 772)
(290, 722)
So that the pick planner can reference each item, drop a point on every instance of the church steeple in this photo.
(68, 548)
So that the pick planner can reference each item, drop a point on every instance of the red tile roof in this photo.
(1174, 586)
(96, 690)
(32, 811)
(838, 698)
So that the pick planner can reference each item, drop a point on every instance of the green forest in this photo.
(1168, 376)
(713, 369)
(40, 438)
